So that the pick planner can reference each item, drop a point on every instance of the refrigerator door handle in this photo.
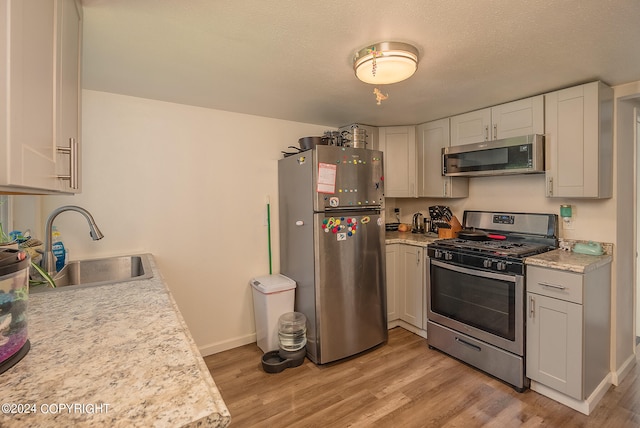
(352, 209)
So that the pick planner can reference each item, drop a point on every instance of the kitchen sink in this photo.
(84, 273)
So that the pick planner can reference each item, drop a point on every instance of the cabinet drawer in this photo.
(555, 283)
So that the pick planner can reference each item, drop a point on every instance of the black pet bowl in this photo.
(276, 361)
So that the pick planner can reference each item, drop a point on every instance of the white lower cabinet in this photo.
(568, 329)
(405, 284)
(411, 282)
(392, 253)
(554, 334)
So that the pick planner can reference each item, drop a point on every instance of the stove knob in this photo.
(486, 263)
(448, 256)
(437, 254)
(501, 266)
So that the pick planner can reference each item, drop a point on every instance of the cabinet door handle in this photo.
(532, 307)
(486, 133)
(495, 131)
(444, 190)
(72, 151)
(556, 286)
(550, 186)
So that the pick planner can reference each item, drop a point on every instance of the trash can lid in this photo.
(273, 283)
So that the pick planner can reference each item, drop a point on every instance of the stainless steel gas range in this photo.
(476, 290)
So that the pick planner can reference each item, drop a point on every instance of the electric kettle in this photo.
(418, 223)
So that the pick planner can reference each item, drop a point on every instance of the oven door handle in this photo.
(474, 272)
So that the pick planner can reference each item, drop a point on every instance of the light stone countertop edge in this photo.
(569, 261)
(416, 239)
(124, 345)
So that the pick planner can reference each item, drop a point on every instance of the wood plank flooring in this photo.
(400, 384)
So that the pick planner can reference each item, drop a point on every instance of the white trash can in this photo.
(273, 295)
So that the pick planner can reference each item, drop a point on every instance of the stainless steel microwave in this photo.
(517, 155)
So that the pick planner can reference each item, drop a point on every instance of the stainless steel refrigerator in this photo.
(331, 220)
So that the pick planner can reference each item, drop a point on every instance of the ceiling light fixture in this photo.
(385, 62)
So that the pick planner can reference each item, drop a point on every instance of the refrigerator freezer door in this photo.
(351, 313)
(345, 177)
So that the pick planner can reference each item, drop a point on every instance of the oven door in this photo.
(485, 305)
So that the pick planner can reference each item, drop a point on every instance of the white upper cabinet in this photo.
(36, 92)
(522, 117)
(431, 138)
(400, 162)
(472, 127)
(26, 93)
(579, 141)
(67, 113)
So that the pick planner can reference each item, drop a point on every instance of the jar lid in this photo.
(292, 319)
(12, 260)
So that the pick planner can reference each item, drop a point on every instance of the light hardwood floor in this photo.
(400, 384)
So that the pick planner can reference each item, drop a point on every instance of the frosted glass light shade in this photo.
(394, 62)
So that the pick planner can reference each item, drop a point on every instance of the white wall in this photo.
(189, 185)
(635, 233)
(627, 98)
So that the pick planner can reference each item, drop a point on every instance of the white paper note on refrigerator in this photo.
(326, 178)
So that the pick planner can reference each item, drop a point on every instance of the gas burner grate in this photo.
(512, 249)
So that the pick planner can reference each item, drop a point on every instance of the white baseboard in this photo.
(407, 326)
(586, 406)
(214, 348)
(623, 370)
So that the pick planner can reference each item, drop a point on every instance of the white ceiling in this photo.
(292, 59)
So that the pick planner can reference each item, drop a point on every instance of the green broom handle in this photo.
(269, 233)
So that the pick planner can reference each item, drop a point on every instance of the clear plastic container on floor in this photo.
(292, 331)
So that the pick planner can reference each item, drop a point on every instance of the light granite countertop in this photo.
(417, 239)
(116, 355)
(568, 261)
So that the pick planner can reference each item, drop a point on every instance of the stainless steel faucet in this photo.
(48, 260)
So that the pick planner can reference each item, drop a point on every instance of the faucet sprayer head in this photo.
(94, 232)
